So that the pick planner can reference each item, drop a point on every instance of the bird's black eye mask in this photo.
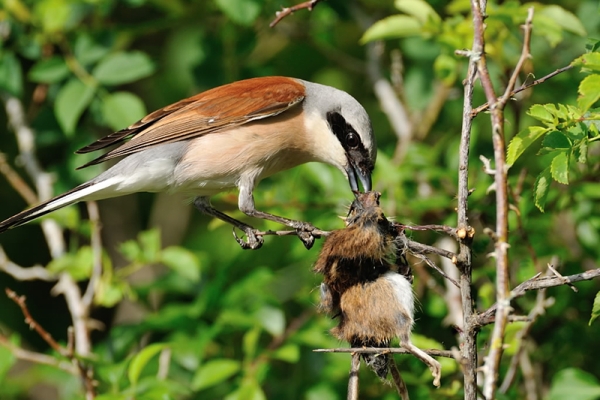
(357, 154)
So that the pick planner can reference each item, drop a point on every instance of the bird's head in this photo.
(341, 132)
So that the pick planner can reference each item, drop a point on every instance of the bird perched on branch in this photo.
(227, 137)
(367, 284)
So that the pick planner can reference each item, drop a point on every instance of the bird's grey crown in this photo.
(326, 99)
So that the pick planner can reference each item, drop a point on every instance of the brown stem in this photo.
(279, 15)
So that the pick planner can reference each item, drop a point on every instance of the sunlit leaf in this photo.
(419, 9)
(272, 319)
(560, 168)
(522, 141)
(542, 113)
(589, 91)
(214, 372)
(72, 100)
(51, 70)
(394, 27)
(596, 308)
(183, 261)
(565, 19)
(541, 188)
(123, 67)
(574, 383)
(11, 76)
(121, 109)
(141, 360)
(243, 12)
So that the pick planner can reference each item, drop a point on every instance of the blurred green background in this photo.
(243, 324)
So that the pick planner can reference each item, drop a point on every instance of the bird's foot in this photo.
(306, 233)
(253, 239)
(436, 371)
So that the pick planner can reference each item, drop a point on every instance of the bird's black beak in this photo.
(355, 174)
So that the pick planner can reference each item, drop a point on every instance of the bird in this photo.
(228, 137)
(367, 284)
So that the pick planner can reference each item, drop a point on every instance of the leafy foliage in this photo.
(214, 322)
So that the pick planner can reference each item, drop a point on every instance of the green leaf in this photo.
(556, 140)
(11, 76)
(87, 51)
(71, 101)
(121, 109)
(541, 188)
(214, 372)
(589, 92)
(445, 67)
(272, 319)
(78, 265)
(288, 353)
(565, 19)
(141, 360)
(7, 360)
(588, 62)
(123, 67)
(542, 113)
(582, 152)
(150, 244)
(182, 261)
(250, 342)
(595, 308)
(419, 9)
(132, 251)
(51, 70)
(560, 168)
(394, 27)
(522, 141)
(243, 12)
(574, 383)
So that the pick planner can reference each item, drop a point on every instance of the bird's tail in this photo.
(81, 192)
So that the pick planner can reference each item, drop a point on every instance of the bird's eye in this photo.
(352, 140)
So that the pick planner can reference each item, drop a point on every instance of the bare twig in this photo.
(353, 380)
(380, 350)
(42, 180)
(537, 283)
(37, 272)
(32, 323)
(492, 361)
(398, 381)
(38, 358)
(17, 182)
(523, 87)
(96, 243)
(279, 15)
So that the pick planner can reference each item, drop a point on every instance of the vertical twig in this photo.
(398, 381)
(353, 380)
(492, 361)
(464, 257)
(96, 243)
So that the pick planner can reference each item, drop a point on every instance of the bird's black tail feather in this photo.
(53, 204)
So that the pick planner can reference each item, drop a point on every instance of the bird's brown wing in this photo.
(216, 109)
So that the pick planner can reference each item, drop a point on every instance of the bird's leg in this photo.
(253, 242)
(434, 366)
(304, 230)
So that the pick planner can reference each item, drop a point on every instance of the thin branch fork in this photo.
(279, 15)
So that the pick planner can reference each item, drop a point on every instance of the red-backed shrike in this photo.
(230, 136)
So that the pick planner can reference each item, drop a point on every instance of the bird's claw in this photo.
(253, 239)
(306, 233)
